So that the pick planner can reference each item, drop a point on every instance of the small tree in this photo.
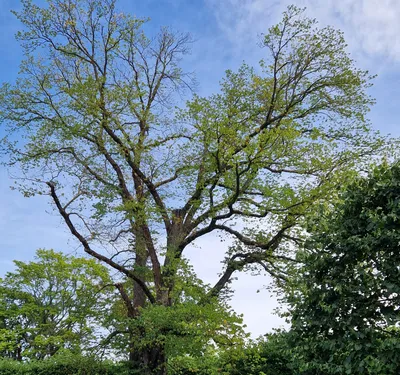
(128, 174)
(346, 306)
(53, 303)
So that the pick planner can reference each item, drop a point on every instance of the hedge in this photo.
(64, 366)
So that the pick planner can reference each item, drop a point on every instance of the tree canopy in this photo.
(92, 124)
(346, 306)
(56, 302)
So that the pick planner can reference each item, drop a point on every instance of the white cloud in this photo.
(371, 26)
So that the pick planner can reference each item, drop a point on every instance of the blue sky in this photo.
(225, 33)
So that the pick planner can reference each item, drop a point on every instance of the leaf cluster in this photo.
(346, 306)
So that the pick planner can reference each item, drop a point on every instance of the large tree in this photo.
(92, 124)
(53, 303)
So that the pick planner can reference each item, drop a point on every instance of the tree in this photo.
(346, 312)
(53, 303)
(137, 182)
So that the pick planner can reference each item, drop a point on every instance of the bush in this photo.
(269, 356)
(63, 365)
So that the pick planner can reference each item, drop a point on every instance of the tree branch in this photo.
(90, 251)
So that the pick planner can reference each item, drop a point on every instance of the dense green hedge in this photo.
(267, 357)
(63, 366)
(253, 360)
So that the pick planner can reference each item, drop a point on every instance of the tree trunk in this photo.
(150, 361)
(19, 353)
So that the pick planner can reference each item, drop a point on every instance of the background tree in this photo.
(346, 306)
(56, 302)
(136, 184)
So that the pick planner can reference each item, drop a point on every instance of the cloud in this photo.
(371, 27)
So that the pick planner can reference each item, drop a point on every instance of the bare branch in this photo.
(90, 251)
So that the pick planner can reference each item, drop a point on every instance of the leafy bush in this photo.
(270, 356)
(345, 305)
(68, 365)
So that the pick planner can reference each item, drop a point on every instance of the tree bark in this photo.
(150, 360)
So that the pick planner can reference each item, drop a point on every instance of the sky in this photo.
(226, 34)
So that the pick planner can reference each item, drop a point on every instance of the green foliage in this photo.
(189, 327)
(269, 356)
(206, 364)
(63, 365)
(185, 330)
(52, 303)
(345, 308)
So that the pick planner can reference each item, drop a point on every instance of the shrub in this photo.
(63, 365)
